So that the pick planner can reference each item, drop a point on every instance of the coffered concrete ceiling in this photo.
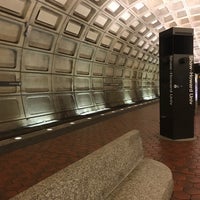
(60, 58)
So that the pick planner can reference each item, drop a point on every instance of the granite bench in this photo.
(116, 171)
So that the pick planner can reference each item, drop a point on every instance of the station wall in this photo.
(62, 58)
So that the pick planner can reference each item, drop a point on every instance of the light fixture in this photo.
(114, 28)
(135, 24)
(101, 20)
(41, 123)
(138, 6)
(159, 27)
(149, 35)
(140, 43)
(62, 1)
(154, 38)
(154, 21)
(113, 6)
(18, 138)
(83, 10)
(134, 39)
(146, 47)
(143, 29)
(125, 16)
(148, 14)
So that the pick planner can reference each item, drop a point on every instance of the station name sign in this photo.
(191, 81)
(189, 77)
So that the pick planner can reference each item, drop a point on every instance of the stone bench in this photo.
(116, 171)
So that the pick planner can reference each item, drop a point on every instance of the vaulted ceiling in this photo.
(149, 17)
(60, 58)
(144, 18)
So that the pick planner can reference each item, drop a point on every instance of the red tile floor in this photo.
(25, 166)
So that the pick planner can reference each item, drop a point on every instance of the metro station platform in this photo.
(28, 164)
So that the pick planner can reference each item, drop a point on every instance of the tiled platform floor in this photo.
(26, 166)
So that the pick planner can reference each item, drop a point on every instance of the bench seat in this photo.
(116, 171)
(150, 180)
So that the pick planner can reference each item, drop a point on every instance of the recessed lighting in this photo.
(49, 129)
(146, 47)
(155, 21)
(143, 29)
(159, 27)
(149, 35)
(18, 138)
(113, 6)
(72, 123)
(138, 6)
(154, 38)
(147, 14)
(89, 118)
(135, 24)
(61, 1)
(101, 20)
(126, 16)
(102, 114)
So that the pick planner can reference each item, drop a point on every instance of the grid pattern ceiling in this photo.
(154, 16)
(80, 56)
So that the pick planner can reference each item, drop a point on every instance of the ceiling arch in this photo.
(64, 58)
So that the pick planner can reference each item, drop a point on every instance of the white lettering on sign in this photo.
(191, 81)
(170, 81)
